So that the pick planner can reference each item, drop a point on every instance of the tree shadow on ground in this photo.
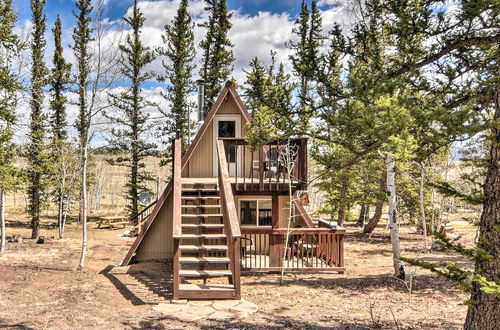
(4, 324)
(156, 285)
(278, 322)
(422, 282)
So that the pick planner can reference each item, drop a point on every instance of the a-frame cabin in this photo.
(226, 207)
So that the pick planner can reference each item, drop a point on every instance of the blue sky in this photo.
(259, 26)
(117, 8)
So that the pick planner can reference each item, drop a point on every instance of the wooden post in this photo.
(175, 271)
(275, 250)
(261, 169)
(275, 209)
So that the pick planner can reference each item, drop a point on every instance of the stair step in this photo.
(206, 215)
(215, 206)
(208, 236)
(196, 260)
(203, 225)
(203, 247)
(206, 287)
(200, 197)
(199, 189)
(204, 273)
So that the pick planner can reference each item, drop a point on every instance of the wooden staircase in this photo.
(206, 262)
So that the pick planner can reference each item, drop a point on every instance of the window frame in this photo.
(258, 200)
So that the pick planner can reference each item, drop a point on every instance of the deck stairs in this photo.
(203, 261)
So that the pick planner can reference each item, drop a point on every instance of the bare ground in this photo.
(40, 288)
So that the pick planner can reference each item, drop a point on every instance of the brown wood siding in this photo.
(200, 165)
(158, 243)
(284, 211)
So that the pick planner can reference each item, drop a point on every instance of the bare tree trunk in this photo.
(60, 211)
(363, 212)
(83, 205)
(342, 201)
(2, 220)
(432, 212)
(392, 216)
(422, 204)
(287, 161)
(374, 220)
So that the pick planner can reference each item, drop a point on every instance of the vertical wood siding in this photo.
(158, 243)
(200, 165)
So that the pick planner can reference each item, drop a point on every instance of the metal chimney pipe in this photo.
(201, 99)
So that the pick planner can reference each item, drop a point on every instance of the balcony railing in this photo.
(307, 249)
(273, 167)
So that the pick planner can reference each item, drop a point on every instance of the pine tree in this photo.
(257, 82)
(218, 58)
(36, 153)
(180, 52)
(9, 86)
(81, 50)
(59, 80)
(131, 135)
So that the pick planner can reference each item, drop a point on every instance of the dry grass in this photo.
(41, 288)
(108, 185)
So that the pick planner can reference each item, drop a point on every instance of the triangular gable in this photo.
(228, 89)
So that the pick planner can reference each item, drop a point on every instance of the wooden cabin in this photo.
(226, 209)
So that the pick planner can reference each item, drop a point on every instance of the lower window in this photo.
(257, 212)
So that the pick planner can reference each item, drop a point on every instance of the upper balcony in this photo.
(277, 166)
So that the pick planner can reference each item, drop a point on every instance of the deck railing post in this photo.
(176, 213)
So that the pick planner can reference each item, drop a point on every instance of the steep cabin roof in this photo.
(228, 93)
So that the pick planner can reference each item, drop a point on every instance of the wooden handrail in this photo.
(136, 217)
(176, 177)
(230, 217)
(227, 193)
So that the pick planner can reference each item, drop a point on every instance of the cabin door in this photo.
(226, 126)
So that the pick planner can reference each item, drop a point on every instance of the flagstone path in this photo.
(190, 311)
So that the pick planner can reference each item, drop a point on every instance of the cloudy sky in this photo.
(259, 26)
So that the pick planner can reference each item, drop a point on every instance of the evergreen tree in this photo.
(37, 153)
(180, 52)
(9, 85)
(306, 59)
(257, 82)
(59, 80)
(301, 53)
(218, 58)
(131, 135)
(81, 50)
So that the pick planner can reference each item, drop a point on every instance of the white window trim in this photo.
(217, 118)
(252, 200)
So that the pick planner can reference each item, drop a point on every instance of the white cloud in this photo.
(252, 35)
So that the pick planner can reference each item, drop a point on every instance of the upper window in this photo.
(256, 212)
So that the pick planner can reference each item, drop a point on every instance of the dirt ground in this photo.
(40, 288)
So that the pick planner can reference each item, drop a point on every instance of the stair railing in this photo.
(142, 216)
(230, 217)
(176, 211)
